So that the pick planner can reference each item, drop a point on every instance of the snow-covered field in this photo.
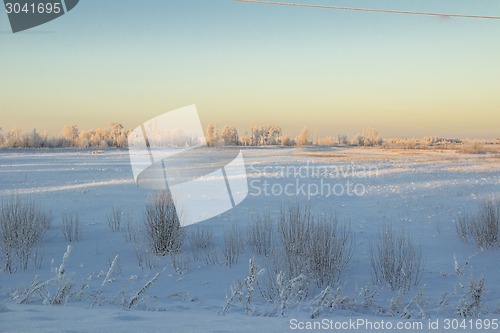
(419, 192)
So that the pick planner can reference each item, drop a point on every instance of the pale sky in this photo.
(332, 71)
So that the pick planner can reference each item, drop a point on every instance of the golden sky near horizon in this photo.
(334, 72)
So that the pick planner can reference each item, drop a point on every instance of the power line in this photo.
(373, 10)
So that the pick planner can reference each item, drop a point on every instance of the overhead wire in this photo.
(373, 10)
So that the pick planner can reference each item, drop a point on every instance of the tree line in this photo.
(258, 135)
(116, 136)
(70, 137)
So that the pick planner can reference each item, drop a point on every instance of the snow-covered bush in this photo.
(137, 295)
(242, 291)
(290, 291)
(470, 292)
(56, 290)
(163, 229)
(330, 299)
(396, 260)
(71, 228)
(484, 227)
(471, 303)
(22, 226)
(261, 235)
(106, 280)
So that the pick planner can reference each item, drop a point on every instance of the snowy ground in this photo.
(420, 192)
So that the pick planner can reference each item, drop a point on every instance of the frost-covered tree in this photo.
(229, 135)
(118, 135)
(273, 135)
(212, 135)
(13, 139)
(246, 140)
(70, 132)
(265, 135)
(342, 139)
(99, 138)
(325, 141)
(286, 141)
(36, 140)
(84, 139)
(369, 137)
(303, 138)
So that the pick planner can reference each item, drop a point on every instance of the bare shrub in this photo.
(475, 147)
(261, 235)
(471, 292)
(471, 303)
(201, 241)
(114, 220)
(145, 259)
(484, 227)
(396, 260)
(233, 245)
(132, 232)
(320, 249)
(295, 229)
(71, 228)
(180, 262)
(200, 238)
(163, 229)
(211, 257)
(22, 226)
(330, 250)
